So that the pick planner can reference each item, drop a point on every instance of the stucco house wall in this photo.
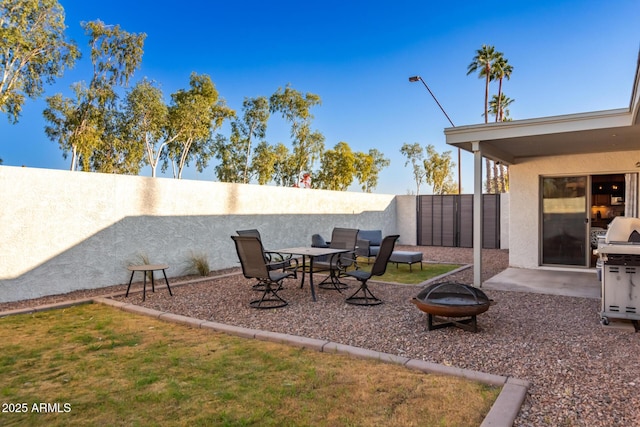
(524, 210)
(63, 231)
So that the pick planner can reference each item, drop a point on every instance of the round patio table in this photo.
(145, 268)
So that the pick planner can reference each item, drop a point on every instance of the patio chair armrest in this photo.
(345, 260)
(276, 256)
(286, 263)
(363, 247)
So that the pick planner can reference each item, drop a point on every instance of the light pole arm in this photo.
(415, 79)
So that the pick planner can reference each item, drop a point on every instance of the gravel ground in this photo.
(582, 374)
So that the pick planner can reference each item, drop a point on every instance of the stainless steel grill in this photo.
(621, 271)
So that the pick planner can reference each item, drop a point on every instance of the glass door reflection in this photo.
(564, 221)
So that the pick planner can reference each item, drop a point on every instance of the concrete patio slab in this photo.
(582, 284)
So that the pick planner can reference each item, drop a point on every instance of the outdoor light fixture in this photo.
(418, 78)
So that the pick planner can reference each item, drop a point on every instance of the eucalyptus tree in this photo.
(227, 169)
(337, 168)
(263, 162)
(272, 163)
(145, 121)
(194, 115)
(285, 172)
(33, 51)
(83, 126)
(235, 154)
(368, 167)
(439, 171)
(308, 145)
(253, 125)
(116, 153)
(415, 155)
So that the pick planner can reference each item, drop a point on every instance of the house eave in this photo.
(548, 136)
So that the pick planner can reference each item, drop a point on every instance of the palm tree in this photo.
(500, 70)
(483, 63)
(500, 107)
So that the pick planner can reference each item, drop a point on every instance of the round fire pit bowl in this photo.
(452, 300)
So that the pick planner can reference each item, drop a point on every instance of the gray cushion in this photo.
(373, 236)
(317, 241)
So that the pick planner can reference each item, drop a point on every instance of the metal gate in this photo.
(447, 220)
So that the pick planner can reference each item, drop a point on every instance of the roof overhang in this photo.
(593, 132)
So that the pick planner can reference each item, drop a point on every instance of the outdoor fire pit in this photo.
(457, 302)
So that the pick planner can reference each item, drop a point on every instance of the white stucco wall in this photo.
(407, 214)
(62, 231)
(524, 183)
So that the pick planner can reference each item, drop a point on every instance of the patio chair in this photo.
(341, 238)
(363, 295)
(274, 260)
(251, 255)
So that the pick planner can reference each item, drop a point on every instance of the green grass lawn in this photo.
(413, 276)
(96, 365)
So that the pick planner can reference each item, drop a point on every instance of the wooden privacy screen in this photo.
(447, 220)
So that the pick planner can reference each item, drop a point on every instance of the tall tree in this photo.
(500, 108)
(84, 125)
(483, 63)
(337, 168)
(33, 51)
(501, 171)
(500, 69)
(227, 169)
(193, 117)
(439, 171)
(253, 126)
(272, 163)
(263, 162)
(415, 155)
(368, 167)
(235, 156)
(145, 121)
(295, 108)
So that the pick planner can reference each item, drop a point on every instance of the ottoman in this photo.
(406, 257)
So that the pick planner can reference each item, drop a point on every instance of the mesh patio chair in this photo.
(363, 295)
(274, 260)
(341, 238)
(251, 255)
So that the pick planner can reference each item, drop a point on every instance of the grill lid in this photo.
(623, 230)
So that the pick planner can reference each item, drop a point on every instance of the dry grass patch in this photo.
(108, 367)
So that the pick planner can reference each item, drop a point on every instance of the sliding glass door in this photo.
(565, 221)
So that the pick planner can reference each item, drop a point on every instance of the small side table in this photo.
(145, 268)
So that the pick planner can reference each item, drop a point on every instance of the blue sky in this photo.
(568, 57)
